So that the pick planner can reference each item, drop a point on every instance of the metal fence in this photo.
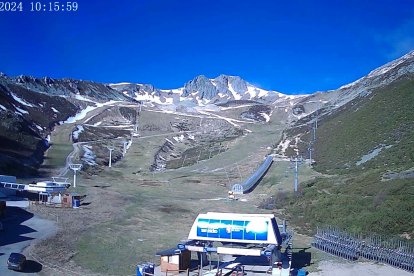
(253, 180)
(397, 253)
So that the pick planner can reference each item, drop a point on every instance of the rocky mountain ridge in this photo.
(356, 96)
(363, 147)
(334, 99)
(65, 87)
(201, 91)
(31, 107)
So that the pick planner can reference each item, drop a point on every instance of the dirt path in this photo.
(69, 160)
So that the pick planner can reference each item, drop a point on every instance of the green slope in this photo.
(355, 197)
(383, 118)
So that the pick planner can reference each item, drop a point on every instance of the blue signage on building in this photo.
(253, 230)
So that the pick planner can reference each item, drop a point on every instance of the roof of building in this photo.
(169, 252)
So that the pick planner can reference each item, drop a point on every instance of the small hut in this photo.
(174, 260)
(70, 200)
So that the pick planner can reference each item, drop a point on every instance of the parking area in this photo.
(22, 228)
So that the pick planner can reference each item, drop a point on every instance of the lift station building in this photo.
(231, 234)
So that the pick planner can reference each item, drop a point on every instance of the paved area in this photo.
(21, 228)
(346, 268)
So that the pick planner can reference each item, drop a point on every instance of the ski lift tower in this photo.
(135, 129)
(125, 143)
(110, 148)
(75, 168)
(296, 162)
(310, 149)
(140, 108)
(315, 126)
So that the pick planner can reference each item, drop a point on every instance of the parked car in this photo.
(16, 261)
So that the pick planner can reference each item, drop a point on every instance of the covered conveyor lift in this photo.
(250, 184)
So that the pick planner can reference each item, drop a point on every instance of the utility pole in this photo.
(136, 128)
(314, 132)
(185, 157)
(75, 168)
(315, 126)
(228, 178)
(125, 143)
(198, 159)
(310, 149)
(237, 164)
(219, 150)
(110, 148)
(296, 162)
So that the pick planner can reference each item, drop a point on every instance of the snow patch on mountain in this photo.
(265, 116)
(256, 92)
(119, 84)
(179, 138)
(20, 111)
(283, 145)
(235, 95)
(82, 98)
(201, 91)
(236, 107)
(21, 101)
(81, 115)
(89, 157)
(79, 130)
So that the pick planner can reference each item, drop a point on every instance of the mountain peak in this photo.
(200, 86)
(223, 86)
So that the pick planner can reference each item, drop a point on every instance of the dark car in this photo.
(16, 261)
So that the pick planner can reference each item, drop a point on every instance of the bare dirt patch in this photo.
(169, 209)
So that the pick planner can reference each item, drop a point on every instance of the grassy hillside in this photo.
(383, 118)
(356, 197)
(360, 204)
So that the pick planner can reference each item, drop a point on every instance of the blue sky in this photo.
(289, 46)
